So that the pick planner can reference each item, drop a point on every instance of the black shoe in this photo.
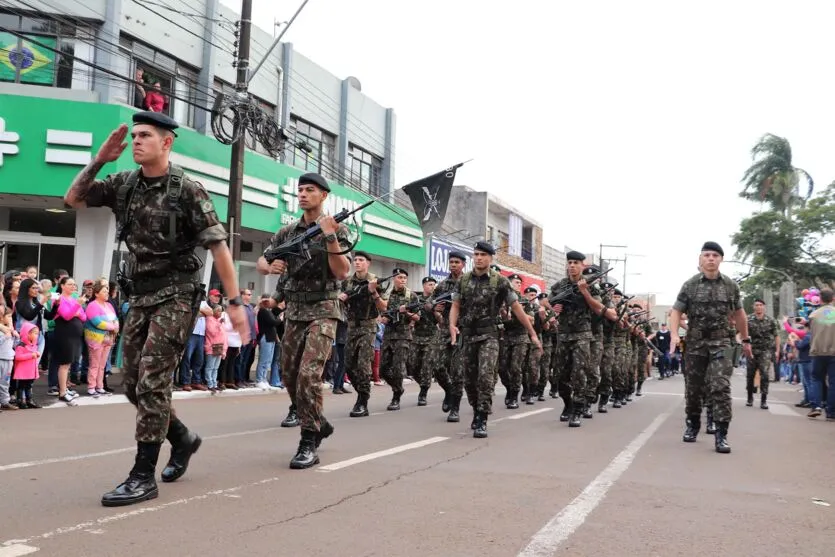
(763, 401)
(722, 445)
(394, 405)
(445, 405)
(552, 394)
(422, 397)
(750, 401)
(480, 431)
(692, 429)
(531, 395)
(587, 414)
(292, 419)
(541, 395)
(513, 404)
(629, 398)
(140, 484)
(566, 413)
(360, 409)
(616, 402)
(638, 392)
(710, 427)
(183, 444)
(325, 431)
(474, 423)
(574, 421)
(602, 409)
(453, 416)
(306, 454)
(803, 404)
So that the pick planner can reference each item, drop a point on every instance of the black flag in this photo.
(430, 198)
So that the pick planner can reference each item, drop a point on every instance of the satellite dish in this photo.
(354, 82)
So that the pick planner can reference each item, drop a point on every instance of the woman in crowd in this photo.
(99, 334)
(233, 350)
(267, 338)
(30, 309)
(69, 327)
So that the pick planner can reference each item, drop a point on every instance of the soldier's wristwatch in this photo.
(236, 301)
(330, 238)
(746, 341)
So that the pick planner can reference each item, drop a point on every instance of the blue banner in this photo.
(438, 264)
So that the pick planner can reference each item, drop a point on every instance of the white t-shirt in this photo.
(200, 324)
(233, 337)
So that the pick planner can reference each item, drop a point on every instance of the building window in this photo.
(33, 59)
(313, 148)
(366, 170)
(504, 242)
(527, 243)
(491, 234)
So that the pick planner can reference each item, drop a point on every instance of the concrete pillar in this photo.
(343, 165)
(95, 233)
(388, 152)
(206, 77)
(286, 92)
(104, 84)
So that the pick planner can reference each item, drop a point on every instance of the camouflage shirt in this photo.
(515, 330)
(708, 304)
(426, 328)
(480, 299)
(762, 332)
(147, 233)
(361, 307)
(311, 277)
(575, 319)
(446, 285)
(400, 328)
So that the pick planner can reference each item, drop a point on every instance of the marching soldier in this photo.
(515, 355)
(448, 365)
(397, 336)
(163, 216)
(709, 299)
(364, 298)
(607, 354)
(549, 339)
(477, 299)
(596, 350)
(620, 340)
(530, 370)
(424, 341)
(765, 345)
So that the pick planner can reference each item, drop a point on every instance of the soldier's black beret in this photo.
(156, 119)
(617, 292)
(399, 271)
(360, 253)
(591, 269)
(530, 289)
(575, 256)
(486, 247)
(542, 296)
(713, 246)
(457, 254)
(428, 279)
(315, 179)
(760, 300)
(514, 276)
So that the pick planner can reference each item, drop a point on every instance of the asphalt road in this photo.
(407, 483)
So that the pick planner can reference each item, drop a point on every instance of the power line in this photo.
(169, 20)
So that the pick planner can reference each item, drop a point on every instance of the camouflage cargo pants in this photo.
(573, 362)
(593, 377)
(630, 367)
(511, 366)
(359, 354)
(448, 366)
(305, 348)
(643, 352)
(420, 362)
(497, 375)
(545, 361)
(531, 369)
(554, 377)
(607, 368)
(760, 362)
(393, 356)
(480, 361)
(153, 339)
(620, 381)
(708, 376)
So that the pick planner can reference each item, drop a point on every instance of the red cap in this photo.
(214, 292)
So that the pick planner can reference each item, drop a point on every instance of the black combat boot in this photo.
(541, 393)
(694, 424)
(710, 427)
(616, 398)
(325, 431)
(292, 419)
(587, 414)
(764, 401)
(306, 454)
(394, 404)
(481, 427)
(567, 410)
(140, 485)
(576, 415)
(474, 423)
(552, 393)
(445, 407)
(602, 404)
(722, 445)
(513, 400)
(532, 392)
(453, 416)
(526, 393)
(628, 397)
(422, 396)
(750, 401)
(638, 392)
(360, 409)
(184, 443)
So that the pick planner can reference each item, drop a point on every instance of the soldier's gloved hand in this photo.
(238, 317)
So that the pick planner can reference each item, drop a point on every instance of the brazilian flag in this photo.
(36, 64)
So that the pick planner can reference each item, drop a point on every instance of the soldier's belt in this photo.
(309, 297)
(697, 334)
(143, 286)
(484, 330)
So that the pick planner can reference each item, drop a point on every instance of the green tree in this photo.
(772, 178)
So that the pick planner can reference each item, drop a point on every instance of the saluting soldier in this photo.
(424, 341)
(397, 336)
(162, 216)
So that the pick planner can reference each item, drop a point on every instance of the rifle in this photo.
(362, 286)
(300, 245)
(568, 294)
(393, 313)
(654, 348)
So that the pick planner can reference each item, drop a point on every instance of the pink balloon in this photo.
(804, 292)
(815, 301)
(807, 297)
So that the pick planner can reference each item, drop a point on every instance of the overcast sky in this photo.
(608, 122)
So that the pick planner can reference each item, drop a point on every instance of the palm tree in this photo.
(772, 178)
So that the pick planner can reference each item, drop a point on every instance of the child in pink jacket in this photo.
(26, 357)
(215, 345)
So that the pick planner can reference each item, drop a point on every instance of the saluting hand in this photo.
(113, 146)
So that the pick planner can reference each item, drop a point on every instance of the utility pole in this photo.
(236, 167)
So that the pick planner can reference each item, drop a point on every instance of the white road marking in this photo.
(560, 527)
(17, 550)
(520, 416)
(782, 410)
(84, 526)
(379, 454)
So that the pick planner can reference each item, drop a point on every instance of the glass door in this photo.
(17, 251)
(18, 256)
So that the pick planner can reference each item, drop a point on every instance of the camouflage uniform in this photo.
(424, 343)
(762, 332)
(708, 304)
(396, 339)
(631, 361)
(620, 371)
(596, 349)
(480, 298)
(514, 356)
(310, 320)
(607, 359)
(574, 352)
(162, 306)
(549, 338)
(643, 353)
(530, 378)
(362, 328)
(447, 357)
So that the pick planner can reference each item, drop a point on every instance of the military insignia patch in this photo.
(207, 206)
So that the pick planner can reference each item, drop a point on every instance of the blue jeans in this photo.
(193, 361)
(265, 359)
(212, 365)
(240, 363)
(804, 370)
(823, 367)
(275, 369)
(338, 366)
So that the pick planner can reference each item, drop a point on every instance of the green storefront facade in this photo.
(45, 142)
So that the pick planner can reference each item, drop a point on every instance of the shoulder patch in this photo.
(207, 206)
